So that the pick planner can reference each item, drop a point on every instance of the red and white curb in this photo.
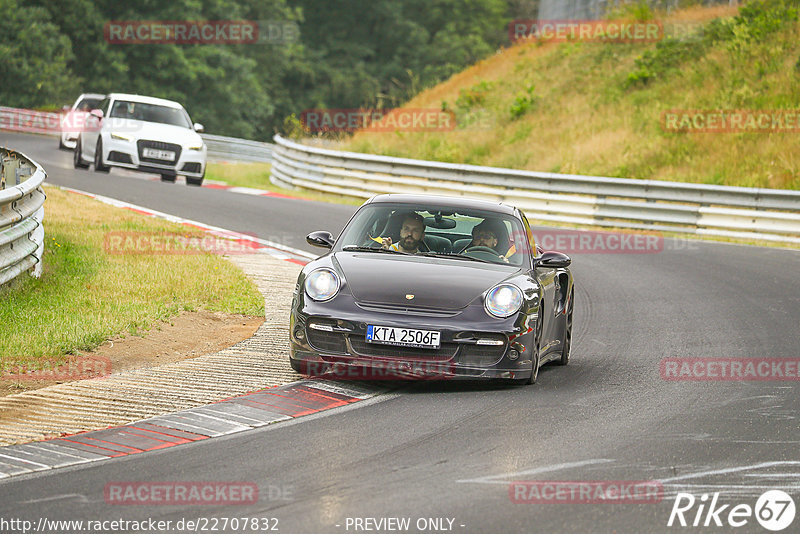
(229, 416)
(247, 190)
(277, 250)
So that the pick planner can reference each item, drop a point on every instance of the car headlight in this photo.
(119, 137)
(503, 300)
(197, 148)
(322, 284)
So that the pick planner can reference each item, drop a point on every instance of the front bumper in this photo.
(126, 154)
(341, 351)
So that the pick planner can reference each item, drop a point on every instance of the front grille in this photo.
(160, 145)
(481, 355)
(443, 353)
(120, 157)
(191, 167)
(326, 341)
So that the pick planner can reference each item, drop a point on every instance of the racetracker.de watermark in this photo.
(586, 491)
(592, 242)
(121, 243)
(184, 32)
(606, 31)
(731, 121)
(79, 368)
(181, 493)
(730, 369)
(378, 120)
(382, 370)
(73, 121)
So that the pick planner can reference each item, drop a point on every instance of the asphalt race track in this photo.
(451, 450)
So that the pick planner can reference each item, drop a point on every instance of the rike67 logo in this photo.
(774, 510)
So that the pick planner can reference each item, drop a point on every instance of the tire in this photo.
(537, 342)
(566, 343)
(77, 156)
(98, 158)
(298, 366)
(196, 181)
(168, 178)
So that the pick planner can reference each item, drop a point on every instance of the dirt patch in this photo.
(185, 336)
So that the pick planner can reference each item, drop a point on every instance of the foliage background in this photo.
(350, 53)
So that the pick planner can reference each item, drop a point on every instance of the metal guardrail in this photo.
(21, 215)
(233, 149)
(738, 212)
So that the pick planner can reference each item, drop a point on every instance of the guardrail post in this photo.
(20, 172)
(10, 166)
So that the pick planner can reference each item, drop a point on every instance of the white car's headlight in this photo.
(322, 284)
(503, 300)
(119, 137)
(197, 148)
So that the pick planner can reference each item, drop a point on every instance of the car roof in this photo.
(98, 96)
(145, 99)
(444, 201)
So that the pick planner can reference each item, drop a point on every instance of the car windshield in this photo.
(88, 104)
(441, 232)
(140, 111)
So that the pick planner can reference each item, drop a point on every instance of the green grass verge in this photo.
(86, 295)
(256, 175)
(596, 108)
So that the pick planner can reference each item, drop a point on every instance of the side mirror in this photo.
(553, 260)
(97, 113)
(320, 239)
(199, 128)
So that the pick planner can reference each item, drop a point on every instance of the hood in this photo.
(156, 132)
(436, 283)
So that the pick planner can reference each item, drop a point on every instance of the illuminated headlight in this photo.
(503, 300)
(322, 284)
(119, 137)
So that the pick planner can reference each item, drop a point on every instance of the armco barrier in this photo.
(233, 149)
(738, 212)
(21, 215)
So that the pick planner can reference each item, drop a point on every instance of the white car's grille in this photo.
(158, 145)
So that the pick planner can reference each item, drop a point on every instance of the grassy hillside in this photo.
(596, 108)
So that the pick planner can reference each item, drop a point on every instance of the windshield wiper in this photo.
(356, 248)
(454, 256)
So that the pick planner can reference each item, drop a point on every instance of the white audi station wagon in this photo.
(142, 133)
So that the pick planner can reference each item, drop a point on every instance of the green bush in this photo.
(474, 96)
(523, 102)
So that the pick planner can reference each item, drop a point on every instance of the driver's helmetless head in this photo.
(412, 232)
(484, 236)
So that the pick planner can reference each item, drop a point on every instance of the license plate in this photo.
(158, 154)
(403, 337)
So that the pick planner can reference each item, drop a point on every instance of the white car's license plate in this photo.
(404, 337)
(158, 154)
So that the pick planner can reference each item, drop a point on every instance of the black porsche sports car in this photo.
(432, 287)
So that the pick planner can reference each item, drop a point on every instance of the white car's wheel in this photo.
(77, 156)
(98, 158)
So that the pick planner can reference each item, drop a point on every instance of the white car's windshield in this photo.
(123, 109)
(438, 231)
(88, 104)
